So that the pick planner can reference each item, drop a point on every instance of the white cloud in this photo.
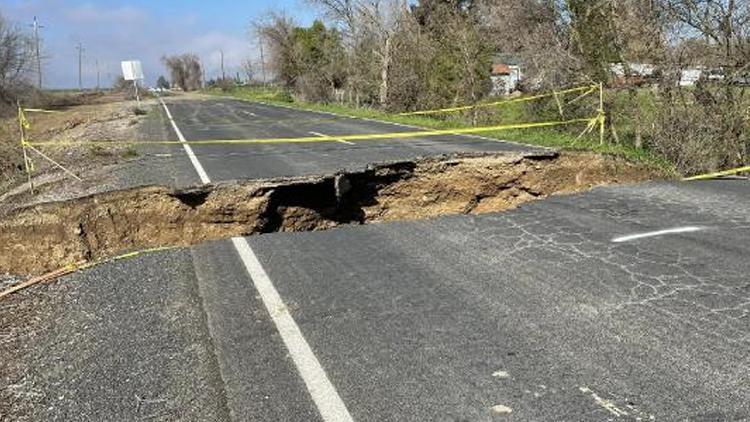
(90, 14)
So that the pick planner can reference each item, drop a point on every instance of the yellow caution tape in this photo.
(335, 138)
(128, 255)
(22, 119)
(589, 89)
(39, 110)
(730, 172)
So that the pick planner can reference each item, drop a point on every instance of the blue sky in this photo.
(112, 31)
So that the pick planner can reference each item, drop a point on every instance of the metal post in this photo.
(137, 96)
(602, 116)
(22, 130)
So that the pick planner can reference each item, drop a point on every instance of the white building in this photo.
(505, 78)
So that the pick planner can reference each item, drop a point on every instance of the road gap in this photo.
(48, 236)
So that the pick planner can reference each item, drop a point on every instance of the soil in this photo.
(104, 117)
(44, 237)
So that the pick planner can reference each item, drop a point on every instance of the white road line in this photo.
(193, 159)
(676, 230)
(606, 404)
(324, 394)
(327, 136)
(330, 405)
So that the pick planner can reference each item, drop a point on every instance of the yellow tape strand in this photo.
(315, 139)
(730, 172)
(73, 267)
(39, 110)
(127, 255)
(590, 88)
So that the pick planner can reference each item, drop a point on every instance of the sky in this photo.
(112, 31)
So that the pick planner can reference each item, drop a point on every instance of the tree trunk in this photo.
(384, 72)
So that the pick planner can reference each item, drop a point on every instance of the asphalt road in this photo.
(233, 119)
(553, 311)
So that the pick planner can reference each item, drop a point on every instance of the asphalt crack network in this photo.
(715, 301)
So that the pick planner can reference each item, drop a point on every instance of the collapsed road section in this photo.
(48, 236)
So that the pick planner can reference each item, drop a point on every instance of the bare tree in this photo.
(185, 71)
(276, 29)
(724, 24)
(706, 126)
(16, 56)
(537, 32)
(249, 68)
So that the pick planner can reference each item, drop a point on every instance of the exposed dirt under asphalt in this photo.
(47, 236)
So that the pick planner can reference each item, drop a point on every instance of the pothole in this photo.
(47, 236)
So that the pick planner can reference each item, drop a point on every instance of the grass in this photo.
(511, 113)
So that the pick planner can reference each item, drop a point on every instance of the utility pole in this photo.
(262, 60)
(223, 75)
(97, 75)
(203, 73)
(80, 49)
(36, 27)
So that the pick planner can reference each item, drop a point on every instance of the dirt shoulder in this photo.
(109, 119)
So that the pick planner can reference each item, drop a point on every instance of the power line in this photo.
(223, 75)
(36, 27)
(80, 49)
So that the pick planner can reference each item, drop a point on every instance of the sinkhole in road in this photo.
(47, 236)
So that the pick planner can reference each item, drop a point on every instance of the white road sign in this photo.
(132, 70)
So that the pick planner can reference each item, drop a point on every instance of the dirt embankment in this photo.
(103, 117)
(47, 236)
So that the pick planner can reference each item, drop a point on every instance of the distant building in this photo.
(506, 74)
(637, 73)
(688, 77)
(640, 73)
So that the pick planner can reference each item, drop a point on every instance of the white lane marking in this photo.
(330, 405)
(606, 404)
(501, 409)
(324, 394)
(327, 136)
(193, 159)
(676, 230)
(501, 374)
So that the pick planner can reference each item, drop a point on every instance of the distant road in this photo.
(233, 119)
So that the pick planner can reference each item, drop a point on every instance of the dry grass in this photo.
(90, 117)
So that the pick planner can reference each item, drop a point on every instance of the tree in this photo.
(319, 58)
(308, 61)
(162, 82)
(462, 58)
(248, 68)
(276, 30)
(592, 24)
(15, 59)
(185, 70)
